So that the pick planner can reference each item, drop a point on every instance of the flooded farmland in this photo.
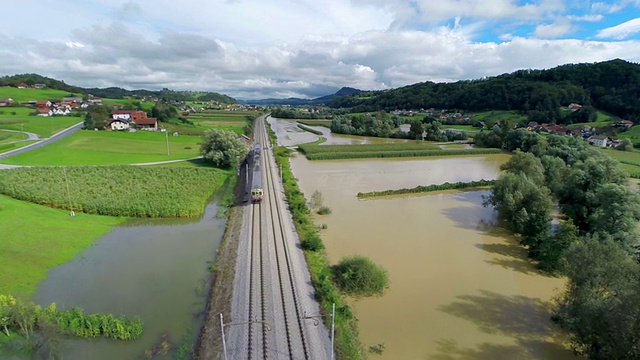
(155, 269)
(460, 288)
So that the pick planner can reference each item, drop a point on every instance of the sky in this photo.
(306, 48)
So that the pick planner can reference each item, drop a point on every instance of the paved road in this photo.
(55, 137)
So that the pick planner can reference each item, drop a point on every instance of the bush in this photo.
(324, 210)
(358, 276)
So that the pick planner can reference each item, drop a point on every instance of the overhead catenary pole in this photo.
(224, 344)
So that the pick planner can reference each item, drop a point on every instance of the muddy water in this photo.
(153, 269)
(459, 287)
(289, 134)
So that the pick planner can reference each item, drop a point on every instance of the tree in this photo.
(222, 148)
(416, 129)
(524, 207)
(599, 307)
(97, 117)
(552, 248)
(626, 145)
(617, 212)
(358, 276)
(526, 164)
(522, 139)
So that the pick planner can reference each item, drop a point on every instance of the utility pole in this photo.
(166, 133)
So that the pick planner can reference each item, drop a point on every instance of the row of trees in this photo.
(595, 245)
(612, 86)
(381, 124)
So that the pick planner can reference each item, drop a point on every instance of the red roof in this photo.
(126, 111)
(146, 121)
(43, 110)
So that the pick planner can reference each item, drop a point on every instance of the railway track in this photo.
(274, 327)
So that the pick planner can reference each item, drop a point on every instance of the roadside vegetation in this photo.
(116, 190)
(428, 188)
(595, 245)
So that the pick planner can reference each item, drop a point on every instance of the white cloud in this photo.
(302, 48)
(587, 18)
(620, 31)
(559, 28)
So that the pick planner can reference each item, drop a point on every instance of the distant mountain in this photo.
(323, 100)
(612, 86)
(116, 92)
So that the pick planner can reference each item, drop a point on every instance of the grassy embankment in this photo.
(325, 123)
(429, 188)
(347, 342)
(313, 131)
(87, 147)
(37, 238)
(332, 152)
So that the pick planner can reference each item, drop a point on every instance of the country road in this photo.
(43, 142)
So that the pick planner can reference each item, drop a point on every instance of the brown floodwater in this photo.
(460, 287)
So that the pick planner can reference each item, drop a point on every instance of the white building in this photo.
(598, 140)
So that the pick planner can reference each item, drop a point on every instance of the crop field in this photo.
(130, 191)
(41, 238)
(332, 152)
(24, 95)
(87, 147)
(629, 160)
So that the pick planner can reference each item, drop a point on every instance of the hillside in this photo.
(114, 92)
(612, 86)
(323, 100)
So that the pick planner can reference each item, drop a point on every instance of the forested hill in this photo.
(32, 79)
(116, 92)
(612, 86)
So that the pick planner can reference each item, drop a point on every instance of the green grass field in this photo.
(24, 95)
(629, 160)
(43, 126)
(490, 117)
(37, 238)
(129, 103)
(87, 147)
(7, 137)
(209, 119)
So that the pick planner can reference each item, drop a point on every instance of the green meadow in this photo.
(41, 238)
(24, 95)
(87, 147)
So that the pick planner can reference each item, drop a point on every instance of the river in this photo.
(156, 269)
(460, 287)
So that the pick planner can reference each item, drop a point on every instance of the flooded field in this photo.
(460, 288)
(153, 269)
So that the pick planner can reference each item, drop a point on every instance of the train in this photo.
(257, 192)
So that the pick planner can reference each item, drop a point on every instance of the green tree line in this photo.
(428, 188)
(595, 242)
(612, 86)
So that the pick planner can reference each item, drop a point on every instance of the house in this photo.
(558, 130)
(131, 115)
(146, 123)
(95, 100)
(43, 103)
(624, 124)
(119, 124)
(72, 99)
(574, 107)
(6, 102)
(22, 86)
(39, 86)
(598, 140)
(61, 110)
(44, 111)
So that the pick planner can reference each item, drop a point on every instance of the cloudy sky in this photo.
(306, 48)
